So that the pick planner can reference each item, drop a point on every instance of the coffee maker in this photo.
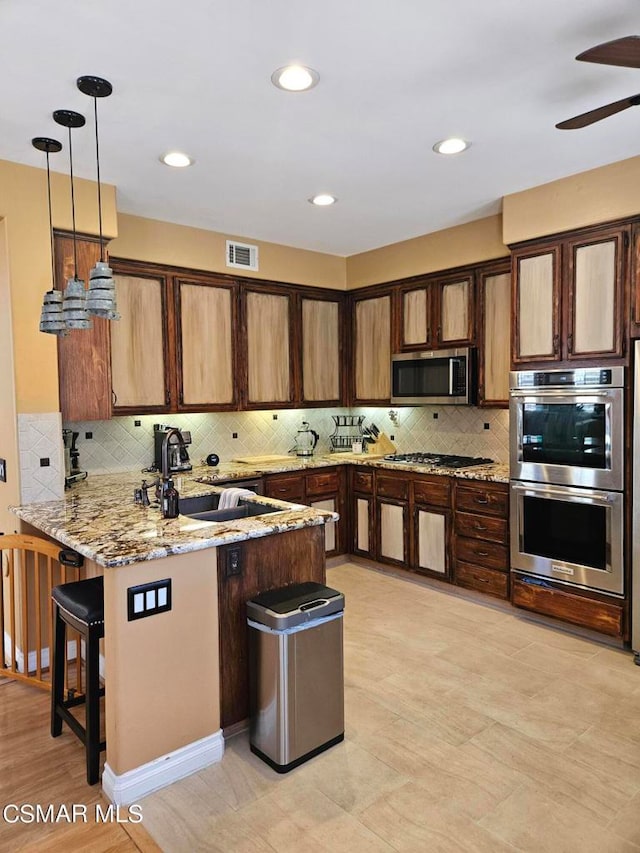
(178, 454)
(72, 473)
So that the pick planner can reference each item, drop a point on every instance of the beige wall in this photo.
(9, 491)
(180, 245)
(599, 195)
(23, 205)
(453, 247)
(162, 671)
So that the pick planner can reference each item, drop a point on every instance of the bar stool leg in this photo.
(93, 706)
(57, 687)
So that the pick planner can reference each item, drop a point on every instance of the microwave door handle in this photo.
(451, 377)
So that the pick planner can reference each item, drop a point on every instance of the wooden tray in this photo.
(262, 460)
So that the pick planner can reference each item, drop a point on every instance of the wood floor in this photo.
(36, 769)
(467, 728)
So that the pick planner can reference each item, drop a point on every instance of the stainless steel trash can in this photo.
(296, 673)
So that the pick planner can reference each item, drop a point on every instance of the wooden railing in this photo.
(30, 567)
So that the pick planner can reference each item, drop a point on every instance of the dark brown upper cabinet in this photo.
(494, 338)
(206, 343)
(83, 354)
(320, 320)
(142, 341)
(569, 297)
(371, 341)
(435, 312)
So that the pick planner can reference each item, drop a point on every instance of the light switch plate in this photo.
(147, 599)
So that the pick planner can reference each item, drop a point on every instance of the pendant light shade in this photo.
(101, 298)
(51, 319)
(74, 307)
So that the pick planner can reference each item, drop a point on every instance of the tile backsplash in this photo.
(41, 457)
(118, 444)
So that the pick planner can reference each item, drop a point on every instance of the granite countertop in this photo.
(97, 517)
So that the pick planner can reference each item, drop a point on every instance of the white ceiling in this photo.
(395, 77)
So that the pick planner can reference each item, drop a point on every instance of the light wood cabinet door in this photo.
(329, 504)
(84, 367)
(494, 333)
(536, 306)
(206, 349)
(363, 525)
(268, 349)
(594, 305)
(139, 344)
(431, 537)
(373, 349)
(321, 350)
(392, 531)
(455, 312)
(415, 318)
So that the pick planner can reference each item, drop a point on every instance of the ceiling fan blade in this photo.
(624, 52)
(592, 116)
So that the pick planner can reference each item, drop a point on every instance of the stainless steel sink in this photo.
(205, 508)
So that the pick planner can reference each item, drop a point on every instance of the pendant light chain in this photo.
(73, 211)
(95, 115)
(53, 262)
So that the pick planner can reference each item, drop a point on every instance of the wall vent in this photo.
(242, 255)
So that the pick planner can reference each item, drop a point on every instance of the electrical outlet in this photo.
(88, 435)
(137, 423)
(234, 562)
(45, 462)
(3, 470)
(147, 599)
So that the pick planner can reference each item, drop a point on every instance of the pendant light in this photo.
(74, 306)
(51, 320)
(101, 297)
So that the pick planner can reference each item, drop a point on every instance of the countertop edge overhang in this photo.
(98, 519)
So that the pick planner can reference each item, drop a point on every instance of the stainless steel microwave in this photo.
(446, 376)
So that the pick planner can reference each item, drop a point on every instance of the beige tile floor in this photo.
(467, 728)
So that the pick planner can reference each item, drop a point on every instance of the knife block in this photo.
(381, 446)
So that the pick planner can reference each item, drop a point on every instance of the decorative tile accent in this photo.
(40, 437)
(118, 445)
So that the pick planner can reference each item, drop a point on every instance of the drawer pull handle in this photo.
(482, 500)
(479, 527)
(482, 553)
(482, 580)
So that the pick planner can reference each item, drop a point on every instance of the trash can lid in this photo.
(296, 604)
(288, 598)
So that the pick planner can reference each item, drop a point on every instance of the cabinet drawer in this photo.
(322, 483)
(392, 487)
(435, 491)
(482, 527)
(598, 615)
(484, 580)
(482, 553)
(493, 501)
(285, 488)
(363, 482)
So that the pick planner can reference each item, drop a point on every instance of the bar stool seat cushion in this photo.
(84, 600)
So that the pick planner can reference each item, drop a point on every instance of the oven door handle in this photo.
(543, 491)
(539, 394)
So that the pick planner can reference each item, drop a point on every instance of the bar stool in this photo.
(81, 606)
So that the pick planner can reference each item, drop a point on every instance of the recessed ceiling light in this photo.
(323, 199)
(451, 146)
(295, 78)
(177, 159)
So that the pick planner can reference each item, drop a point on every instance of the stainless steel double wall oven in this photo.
(567, 476)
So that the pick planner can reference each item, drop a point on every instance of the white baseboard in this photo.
(130, 787)
(33, 655)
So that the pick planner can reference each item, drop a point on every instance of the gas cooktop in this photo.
(441, 460)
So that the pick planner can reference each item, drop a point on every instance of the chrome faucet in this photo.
(165, 452)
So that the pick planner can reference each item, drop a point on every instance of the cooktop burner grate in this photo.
(442, 460)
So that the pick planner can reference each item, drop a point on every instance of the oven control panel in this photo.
(585, 377)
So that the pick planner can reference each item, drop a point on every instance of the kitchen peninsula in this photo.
(165, 678)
